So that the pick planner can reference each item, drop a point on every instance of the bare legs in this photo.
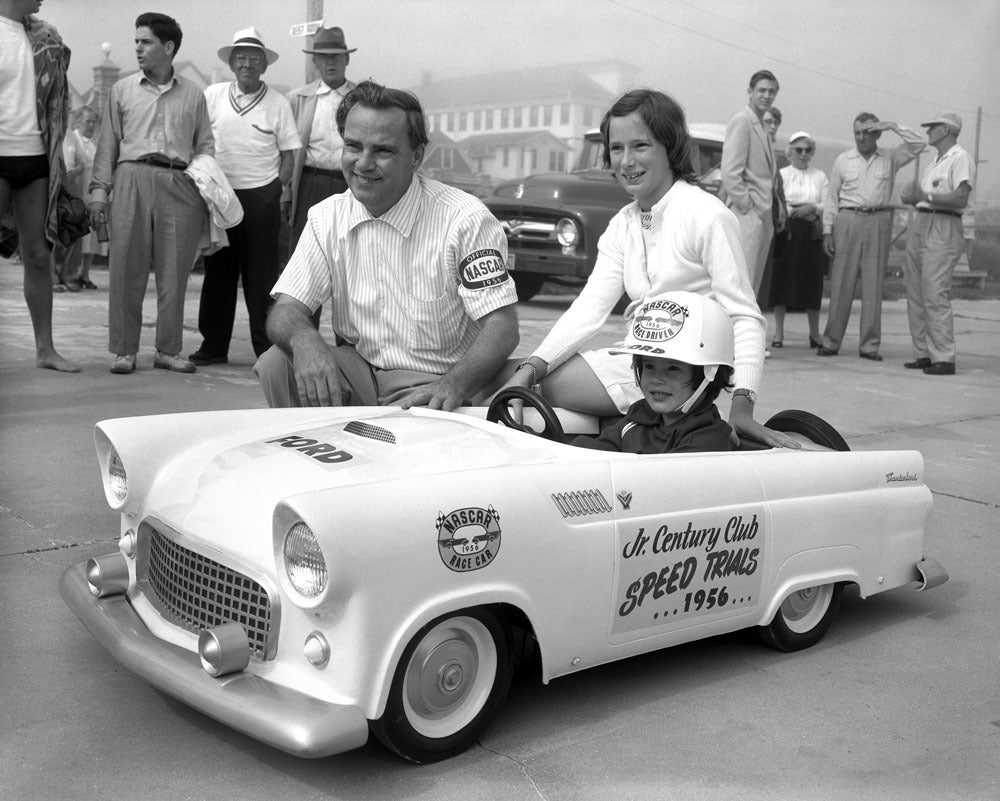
(30, 205)
(812, 315)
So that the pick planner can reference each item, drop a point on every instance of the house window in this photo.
(504, 118)
(518, 117)
(564, 114)
(547, 119)
(533, 117)
(506, 157)
(530, 160)
(477, 120)
(447, 158)
(557, 161)
(463, 120)
(489, 119)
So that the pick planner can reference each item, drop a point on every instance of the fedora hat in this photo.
(248, 37)
(328, 42)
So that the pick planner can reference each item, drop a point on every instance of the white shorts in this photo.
(615, 374)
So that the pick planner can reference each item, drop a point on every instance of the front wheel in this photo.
(803, 618)
(449, 684)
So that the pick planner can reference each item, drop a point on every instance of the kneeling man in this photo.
(423, 308)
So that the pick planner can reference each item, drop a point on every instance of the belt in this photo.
(945, 212)
(326, 173)
(162, 161)
(864, 209)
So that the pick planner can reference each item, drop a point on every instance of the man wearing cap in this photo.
(255, 144)
(156, 123)
(416, 271)
(317, 172)
(857, 229)
(748, 168)
(936, 246)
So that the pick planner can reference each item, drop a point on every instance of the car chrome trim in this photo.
(585, 502)
(286, 719)
(932, 574)
(204, 586)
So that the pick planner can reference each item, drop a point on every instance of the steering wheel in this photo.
(499, 412)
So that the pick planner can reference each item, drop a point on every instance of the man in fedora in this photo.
(936, 247)
(255, 145)
(317, 173)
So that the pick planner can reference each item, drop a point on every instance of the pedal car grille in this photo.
(198, 593)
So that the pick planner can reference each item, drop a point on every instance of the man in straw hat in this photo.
(317, 173)
(255, 145)
(936, 247)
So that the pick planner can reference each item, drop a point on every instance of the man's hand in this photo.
(286, 210)
(828, 247)
(440, 394)
(316, 373)
(911, 195)
(96, 210)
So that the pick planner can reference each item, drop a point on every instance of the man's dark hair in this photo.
(866, 116)
(163, 27)
(763, 75)
(665, 119)
(369, 94)
(776, 113)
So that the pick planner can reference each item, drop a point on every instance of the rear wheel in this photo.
(527, 285)
(793, 421)
(450, 682)
(803, 617)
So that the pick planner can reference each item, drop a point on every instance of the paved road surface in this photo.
(901, 700)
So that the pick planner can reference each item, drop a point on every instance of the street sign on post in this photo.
(306, 28)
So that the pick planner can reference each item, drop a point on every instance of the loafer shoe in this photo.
(823, 351)
(940, 368)
(123, 363)
(200, 358)
(175, 363)
(815, 343)
(872, 357)
(918, 364)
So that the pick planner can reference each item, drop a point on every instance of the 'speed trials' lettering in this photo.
(320, 451)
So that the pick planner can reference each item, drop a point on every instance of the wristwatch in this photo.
(748, 393)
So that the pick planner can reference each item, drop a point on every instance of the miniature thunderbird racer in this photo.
(306, 576)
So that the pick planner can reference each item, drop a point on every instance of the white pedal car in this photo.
(307, 575)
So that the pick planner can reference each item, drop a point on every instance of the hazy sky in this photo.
(904, 60)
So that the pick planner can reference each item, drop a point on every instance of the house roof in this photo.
(481, 145)
(525, 86)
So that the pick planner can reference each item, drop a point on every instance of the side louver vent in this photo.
(583, 502)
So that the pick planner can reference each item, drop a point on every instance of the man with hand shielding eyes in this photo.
(857, 229)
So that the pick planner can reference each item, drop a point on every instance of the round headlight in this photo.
(567, 232)
(304, 562)
(117, 480)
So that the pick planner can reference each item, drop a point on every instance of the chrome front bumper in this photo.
(286, 719)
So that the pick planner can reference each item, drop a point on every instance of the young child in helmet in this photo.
(681, 345)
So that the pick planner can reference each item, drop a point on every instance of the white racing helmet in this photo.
(683, 326)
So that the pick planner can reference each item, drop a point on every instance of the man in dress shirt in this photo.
(422, 301)
(316, 172)
(255, 144)
(937, 246)
(156, 122)
(857, 229)
(748, 168)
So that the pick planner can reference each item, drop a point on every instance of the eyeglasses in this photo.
(803, 150)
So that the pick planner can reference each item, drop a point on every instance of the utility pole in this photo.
(314, 11)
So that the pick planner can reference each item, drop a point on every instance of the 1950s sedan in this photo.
(308, 576)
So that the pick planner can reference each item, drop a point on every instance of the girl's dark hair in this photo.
(665, 119)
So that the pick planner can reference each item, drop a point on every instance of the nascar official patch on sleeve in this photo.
(483, 268)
